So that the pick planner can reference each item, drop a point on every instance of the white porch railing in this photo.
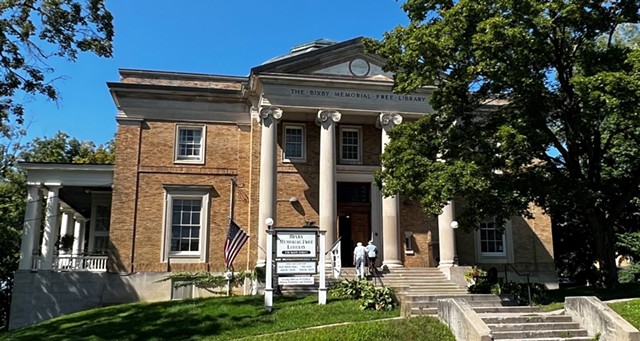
(74, 263)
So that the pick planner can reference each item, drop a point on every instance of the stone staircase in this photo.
(419, 289)
(538, 326)
(408, 282)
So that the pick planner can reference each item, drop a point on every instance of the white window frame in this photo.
(98, 198)
(342, 158)
(186, 193)
(203, 138)
(506, 256)
(408, 243)
(286, 158)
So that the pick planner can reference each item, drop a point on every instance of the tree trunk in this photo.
(605, 249)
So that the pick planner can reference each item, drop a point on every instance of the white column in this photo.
(327, 190)
(31, 224)
(78, 233)
(66, 226)
(268, 177)
(390, 205)
(50, 227)
(446, 236)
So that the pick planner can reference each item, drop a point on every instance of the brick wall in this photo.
(224, 145)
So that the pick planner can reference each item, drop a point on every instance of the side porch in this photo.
(68, 210)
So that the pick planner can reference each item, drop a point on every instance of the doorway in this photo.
(354, 218)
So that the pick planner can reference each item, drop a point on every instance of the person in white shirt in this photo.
(372, 254)
(358, 259)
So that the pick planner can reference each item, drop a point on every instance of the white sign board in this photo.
(296, 244)
(304, 280)
(293, 268)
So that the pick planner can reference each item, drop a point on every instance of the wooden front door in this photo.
(354, 225)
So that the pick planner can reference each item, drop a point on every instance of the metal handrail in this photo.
(521, 275)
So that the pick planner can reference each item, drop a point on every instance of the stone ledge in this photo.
(597, 318)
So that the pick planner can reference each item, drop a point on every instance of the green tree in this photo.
(34, 31)
(534, 102)
(13, 192)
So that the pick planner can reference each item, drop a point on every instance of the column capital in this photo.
(325, 115)
(265, 112)
(387, 120)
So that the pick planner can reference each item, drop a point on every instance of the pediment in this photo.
(346, 59)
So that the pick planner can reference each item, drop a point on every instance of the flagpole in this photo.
(229, 273)
(231, 197)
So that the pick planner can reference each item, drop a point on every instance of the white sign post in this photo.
(268, 290)
(322, 288)
(298, 251)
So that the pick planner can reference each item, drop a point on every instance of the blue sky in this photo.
(200, 36)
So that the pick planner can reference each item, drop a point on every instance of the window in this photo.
(408, 243)
(294, 143)
(492, 241)
(99, 224)
(350, 145)
(190, 144)
(181, 290)
(186, 223)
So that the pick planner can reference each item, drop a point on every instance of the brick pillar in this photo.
(125, 194)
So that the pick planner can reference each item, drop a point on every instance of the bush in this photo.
(521, 293)
(206, 280)
(374, 298)
(626, 275)
(370, 296)
(348, 289)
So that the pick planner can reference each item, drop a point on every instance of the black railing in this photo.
(521, 275)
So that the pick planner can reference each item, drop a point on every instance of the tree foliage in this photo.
(13, 193)
(535, 101)
(34, 31)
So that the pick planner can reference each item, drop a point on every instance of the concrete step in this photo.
(529, 334)
(576, 338)
(510, 318)
(533, 326)
(506, 309)
(469, 297)
(418, 311)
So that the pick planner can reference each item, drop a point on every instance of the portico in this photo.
(71, 195)
(332, 104)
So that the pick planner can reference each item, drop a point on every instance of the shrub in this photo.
(206, 280)
(521, 294)
(474, 271)
(370, 296)
(348, 289)
(626, 275)
(374, 298)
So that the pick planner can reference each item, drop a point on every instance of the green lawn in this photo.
(209, 319)
(629, 310)
(416, 328)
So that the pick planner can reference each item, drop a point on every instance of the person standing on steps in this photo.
(372, 254)
(358, 259)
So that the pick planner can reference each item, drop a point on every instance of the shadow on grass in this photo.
(624, 290)
(177, 320)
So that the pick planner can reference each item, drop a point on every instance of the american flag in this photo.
(236, 238)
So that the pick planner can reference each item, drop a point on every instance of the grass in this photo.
(208, 319)
(629, 310)
(416, 328)
(554, 299)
